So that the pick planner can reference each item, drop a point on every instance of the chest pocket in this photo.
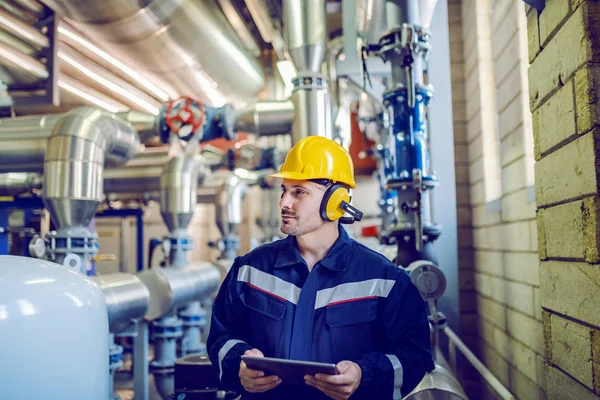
(351, 327)
(266, 319)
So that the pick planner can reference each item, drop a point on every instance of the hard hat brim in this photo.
(298, 176)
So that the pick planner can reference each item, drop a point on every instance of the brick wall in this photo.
(494, 168)
(564, 51)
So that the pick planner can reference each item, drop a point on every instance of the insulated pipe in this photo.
(77, 148)
(178, 184)
(23, 141)
(266, 118)
(161, 38)
(15, 183)
(21, 30)
(126, 298)
(305, 35)
(172, 288)
(18, 67)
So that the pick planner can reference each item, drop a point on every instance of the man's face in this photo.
(300, 203)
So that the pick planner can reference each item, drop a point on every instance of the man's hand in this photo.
(254, 381)
(339, 387)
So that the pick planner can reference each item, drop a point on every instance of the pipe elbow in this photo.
(107, 137)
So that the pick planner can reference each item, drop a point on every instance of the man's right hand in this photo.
(254, 381)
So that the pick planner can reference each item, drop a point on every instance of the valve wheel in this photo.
(185, 115)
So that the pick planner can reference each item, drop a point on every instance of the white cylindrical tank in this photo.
(53, 333)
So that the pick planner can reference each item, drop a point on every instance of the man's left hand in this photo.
(339, 387)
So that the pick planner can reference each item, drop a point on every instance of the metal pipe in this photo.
(17, 43)
(80, 68)
(126, 298)
(20, 29)
(18, 67)
(31, 6)
(162, 38)
(178, 184)
(15, 183)
(305, 33)
(266, 118)
(478, 365)
(172, 288)
(146, 124)
(77, 148)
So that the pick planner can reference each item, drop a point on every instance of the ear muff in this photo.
(336, 202)
(332, 200)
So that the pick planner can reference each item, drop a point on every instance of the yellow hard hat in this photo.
(317, 157)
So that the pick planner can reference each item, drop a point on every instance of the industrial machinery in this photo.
(42, 302)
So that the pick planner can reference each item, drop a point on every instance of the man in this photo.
(319, 296)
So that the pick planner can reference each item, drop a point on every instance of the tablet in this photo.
(290, 371)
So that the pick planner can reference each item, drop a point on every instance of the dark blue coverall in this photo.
(354, 305)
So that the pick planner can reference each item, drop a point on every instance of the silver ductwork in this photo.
(266, 118)
(178, 184)
(126, 298)
(80, 143)
(305, 35)
(16, 183)
(172, 288)
(189, 43)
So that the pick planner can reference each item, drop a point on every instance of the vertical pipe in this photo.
(140, 240)
(140, 361)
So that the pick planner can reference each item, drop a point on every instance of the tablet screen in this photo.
(290, 371)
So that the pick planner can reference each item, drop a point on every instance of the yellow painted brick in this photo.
(460, 131)
(475, 146)
(587, 81)
(516, 206)
(490, 262)
(564, 54)
(462, 174)
(542, 250)
(554, 12)
(483, 216)
(571, 349)
(511, 117)
(489, 238)
(466, 259)
(459, 114)
(554, 121)
(509, 88)
(537, 303)
(463, 216)
(523, 388)
(564, 231)
(493, 312)
(526, 330)
(517, 236)
(463, 195)
(571, 288)
(504, 25)
(541, 371)
(512, 146)
(567, 173)
(596, 359)
(496, 364)
(512, 351)
(514, 176)
(533, 236)
(465, 237)
(533, 34)
(508, 57)
(477, 194)
(560, 386)
(591, 228)
(522, 267)
(476, 170)
(461, 154)
(520, 297)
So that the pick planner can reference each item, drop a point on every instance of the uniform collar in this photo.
(335, 260)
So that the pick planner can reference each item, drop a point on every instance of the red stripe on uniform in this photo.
(264, 291)
(351, 300)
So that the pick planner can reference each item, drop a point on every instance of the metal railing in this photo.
(455, 343)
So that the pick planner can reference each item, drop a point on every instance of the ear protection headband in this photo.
(336, 202)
